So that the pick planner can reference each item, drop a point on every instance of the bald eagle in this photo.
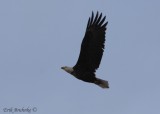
(91, 52)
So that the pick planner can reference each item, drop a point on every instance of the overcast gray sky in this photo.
(37, 37)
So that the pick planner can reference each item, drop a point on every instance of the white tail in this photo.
(102, 83)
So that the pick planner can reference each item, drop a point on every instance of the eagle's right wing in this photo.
(92, 46)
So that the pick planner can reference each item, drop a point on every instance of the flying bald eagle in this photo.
(92, 48)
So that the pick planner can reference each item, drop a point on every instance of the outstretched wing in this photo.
(92, 46)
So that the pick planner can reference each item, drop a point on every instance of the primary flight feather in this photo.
(91, 52)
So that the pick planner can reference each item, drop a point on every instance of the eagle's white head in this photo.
(67, 69)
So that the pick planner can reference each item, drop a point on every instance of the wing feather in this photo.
(92, 46)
